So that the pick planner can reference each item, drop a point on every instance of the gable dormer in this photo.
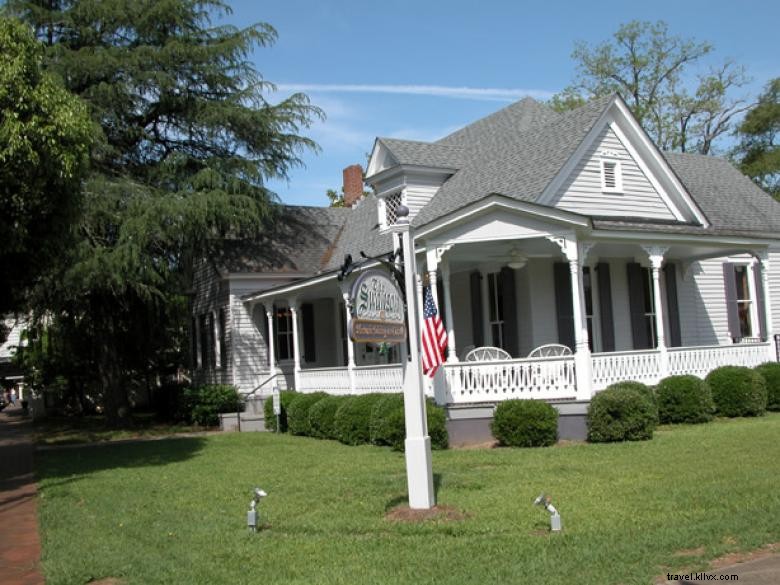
(409, 173)
(618, 172)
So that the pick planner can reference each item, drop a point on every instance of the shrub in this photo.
(168, 401)
(298, 413)
(738, 391)
(203, 404)
(771, 373)
(388, 423)
(525, 423)
(684, 399)
(353, 418)
(322, 415)
(621, 413)
(285, 398)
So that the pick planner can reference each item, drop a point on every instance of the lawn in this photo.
(173, 511)
(93, 429)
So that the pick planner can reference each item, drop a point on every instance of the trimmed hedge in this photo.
(771, 373)
(351, 424)
(285, 398)
(388, 423)
(202, 405)
(298, 413)
(622, 412)
(738, 391)
(684, 399)
(525, 423)
(322, 416)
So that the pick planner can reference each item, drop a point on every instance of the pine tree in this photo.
(188, 140)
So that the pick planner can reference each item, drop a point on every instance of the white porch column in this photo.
(296, 344)
(350, 344)
(452, 354)
(763, 260)
(439, 381)
(656, 256)
(582, 359)
(269, 313)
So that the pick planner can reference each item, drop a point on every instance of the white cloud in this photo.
(472, 93)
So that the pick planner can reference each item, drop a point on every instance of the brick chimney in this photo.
(353, 185)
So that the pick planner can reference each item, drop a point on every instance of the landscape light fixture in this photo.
(555, 517)
(253, 516)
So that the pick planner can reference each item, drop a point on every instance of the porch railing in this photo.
(541, 378)
(700, 361)
(617, 366)
(383, 378)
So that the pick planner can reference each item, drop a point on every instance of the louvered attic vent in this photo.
(611, 179)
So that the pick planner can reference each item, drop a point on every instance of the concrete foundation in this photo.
(470, 424)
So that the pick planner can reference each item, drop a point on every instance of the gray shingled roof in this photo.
(413, 152)
(302, 239)
(516, 164)
(361, 234)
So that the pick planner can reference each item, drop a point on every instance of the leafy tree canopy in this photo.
(650, 68)
(758, 153)
(45, 135)
(188, 139)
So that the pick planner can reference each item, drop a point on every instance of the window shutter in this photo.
(672, 304)
(309, 346)
(636, 303)
(730, 285)
(511, 340)
(760, 300)
(440, 301)
(476, 313)
(605, 307)
(563, 304)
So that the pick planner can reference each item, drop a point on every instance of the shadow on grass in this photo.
(68, 464)
(404, 498)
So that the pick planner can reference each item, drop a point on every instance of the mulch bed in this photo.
(439, 513)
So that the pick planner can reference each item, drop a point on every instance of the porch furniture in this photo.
(465, 351)
(550, 350)
(487, 354)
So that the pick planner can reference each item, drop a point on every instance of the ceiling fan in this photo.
(514, 258)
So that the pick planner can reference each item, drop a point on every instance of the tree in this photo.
(45, 136)
(336, 198)
(649, 67)
(188, 140)
(758, 152)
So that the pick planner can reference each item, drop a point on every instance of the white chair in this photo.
(465, 351)
(550, 350)
(487, 354)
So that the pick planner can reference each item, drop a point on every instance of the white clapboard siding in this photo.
(418, 195)
(702, 298)
(582, 191)
(211, 295)
(525, 325)
(774, 288)
(544, 323)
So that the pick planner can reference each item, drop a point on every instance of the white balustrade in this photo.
(330, 380)
(385, 378)
(618, 366)
(540, 378)
(700, 361)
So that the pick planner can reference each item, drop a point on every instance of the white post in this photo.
(350, 343)
(419, 476)
(656, 256)
(296, 345)
(452, 355)
(582, 363)
(269, 313)
(763, 259)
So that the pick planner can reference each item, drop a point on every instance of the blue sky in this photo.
(421, 69)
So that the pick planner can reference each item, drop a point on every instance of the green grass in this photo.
(174, 511)
(93, 429)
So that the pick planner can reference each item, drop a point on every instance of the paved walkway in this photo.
(20, 546)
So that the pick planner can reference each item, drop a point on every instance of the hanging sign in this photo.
(377, 309)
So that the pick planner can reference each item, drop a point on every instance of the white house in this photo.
(535, 228)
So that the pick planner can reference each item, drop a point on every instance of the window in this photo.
(611, 176)
(284, 334)
(496, 308)
(649, 307)
(391, 207)
(744, 302)
(587, 285)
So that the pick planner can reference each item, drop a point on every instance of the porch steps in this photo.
(251, 420)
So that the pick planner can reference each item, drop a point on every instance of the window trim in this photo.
(750, 276)
(279, 312)
(618, 174)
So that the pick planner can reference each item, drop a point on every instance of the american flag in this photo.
(434, 338)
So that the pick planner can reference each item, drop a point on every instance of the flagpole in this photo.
(419, 475)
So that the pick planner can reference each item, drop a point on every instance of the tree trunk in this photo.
(116, 406)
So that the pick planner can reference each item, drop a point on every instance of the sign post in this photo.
(419, 475)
